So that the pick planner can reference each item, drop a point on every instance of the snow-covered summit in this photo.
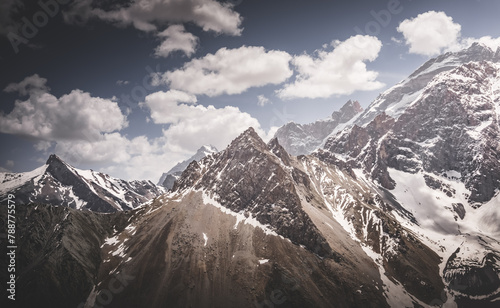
(397, 98)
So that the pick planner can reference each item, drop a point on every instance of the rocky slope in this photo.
(58, 183)
(439, 160)
(299, 139)
(58, 253)
(252, 225)
(395, 100)
(452, 128)
(168, 178)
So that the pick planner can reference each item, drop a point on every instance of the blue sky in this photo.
(132, 87)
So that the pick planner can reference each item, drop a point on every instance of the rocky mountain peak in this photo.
(61, 184)
(478, 50)
(54, 159)
(450, 60)
(249, 133)
(58, 168)
(396, 99)
(257, 180)
(248, 139)
(299, 139)
(347, 112)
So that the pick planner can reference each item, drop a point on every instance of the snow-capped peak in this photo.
(59, 183)
(397, 98)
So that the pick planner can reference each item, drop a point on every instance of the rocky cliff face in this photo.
(252, 221)
(58, 253)
(439, 160)
(58, 183)
(395, 100)
(299, 139)
(249, 178)
(452, 127)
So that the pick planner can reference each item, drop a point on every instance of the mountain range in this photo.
(301, 139)
(58, 183)
(397, 205)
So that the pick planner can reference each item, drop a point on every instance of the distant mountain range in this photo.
(168, 178)
(58, 183)
(394, 206)
(300, 139)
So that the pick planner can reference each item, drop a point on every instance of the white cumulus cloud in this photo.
(175, 38)
(338, 72)
(429, 33)
(231, 71)
(136, 158)
(169, 107)
(108, 148)
(83, 129)
(74, 116)
(30, 84)
(192, 125)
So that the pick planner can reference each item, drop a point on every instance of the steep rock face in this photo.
(453, 126)
(168, 178)
(248, 178)
(369, 219)
(360, 147)
(439, 160)
(58, 253)
(298, 139)
(58, 183)
(347, 112)
(192, 252)
(395, 100)
(244, 227)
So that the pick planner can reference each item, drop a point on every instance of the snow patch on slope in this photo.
(240, 217)
(10, 181)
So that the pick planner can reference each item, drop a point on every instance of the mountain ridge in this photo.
(300, 139)
(58, 183)
(394, 100)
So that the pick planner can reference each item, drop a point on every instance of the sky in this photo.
(130, 88)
